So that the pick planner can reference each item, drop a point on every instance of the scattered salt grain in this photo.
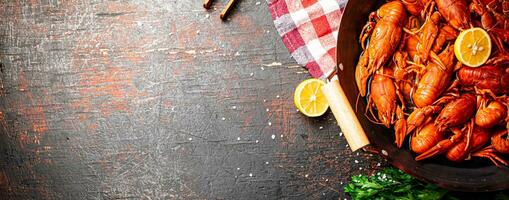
(270, 123)
(250, 175)
(360, 168)
(223, 118)
(356, 161)
(273, 136)
(262, 68)
(257, 141)
(238, 168)
(321, 127)
(266, 162)
(277, 96)
(340, 134)
(252, 74)
(238, 138)
(378, 164)
(306, 175)
(385, 153)
(258, 3)
(198, 32)
(267, 110)
(190, 139)
(237, 53)
(281, 136)
(234, 107)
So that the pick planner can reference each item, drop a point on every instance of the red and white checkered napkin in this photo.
(309, 29)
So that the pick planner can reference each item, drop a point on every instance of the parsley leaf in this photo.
(392, 183)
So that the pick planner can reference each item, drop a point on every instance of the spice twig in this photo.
(207, 4)
(227, 9)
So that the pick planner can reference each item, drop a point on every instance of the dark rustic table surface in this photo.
(158, 99)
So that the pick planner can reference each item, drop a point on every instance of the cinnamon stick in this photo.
(227, 9)
(207, 4)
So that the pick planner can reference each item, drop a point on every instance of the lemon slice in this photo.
(309, 99)
(473, 47)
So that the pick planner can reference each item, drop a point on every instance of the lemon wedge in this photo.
(309, 99)
(473, 47)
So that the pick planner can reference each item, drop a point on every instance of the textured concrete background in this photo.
(158, 99)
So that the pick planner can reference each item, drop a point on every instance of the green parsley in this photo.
(391, 183)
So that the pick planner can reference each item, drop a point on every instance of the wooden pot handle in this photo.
(345, 115)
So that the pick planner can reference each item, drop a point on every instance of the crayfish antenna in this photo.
(410, 31)
(499, 59)
(489, 153)
(428, 9)
(369, 108)
(436, 60)
(485, 92)
(470, 130)
(357, 102)
(366, 32)
(452, 90)
(495, 35)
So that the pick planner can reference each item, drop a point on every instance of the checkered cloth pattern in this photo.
(309, 29)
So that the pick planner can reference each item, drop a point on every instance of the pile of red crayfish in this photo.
(413, 82)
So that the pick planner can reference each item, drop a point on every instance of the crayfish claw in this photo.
(362, 74)
(419, 116)
(400, 127)
(430, 153)
(441, 147)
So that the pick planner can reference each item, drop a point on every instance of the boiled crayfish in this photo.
(417, 86)
(388, 22)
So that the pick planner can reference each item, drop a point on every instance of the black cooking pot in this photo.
(471, 176)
